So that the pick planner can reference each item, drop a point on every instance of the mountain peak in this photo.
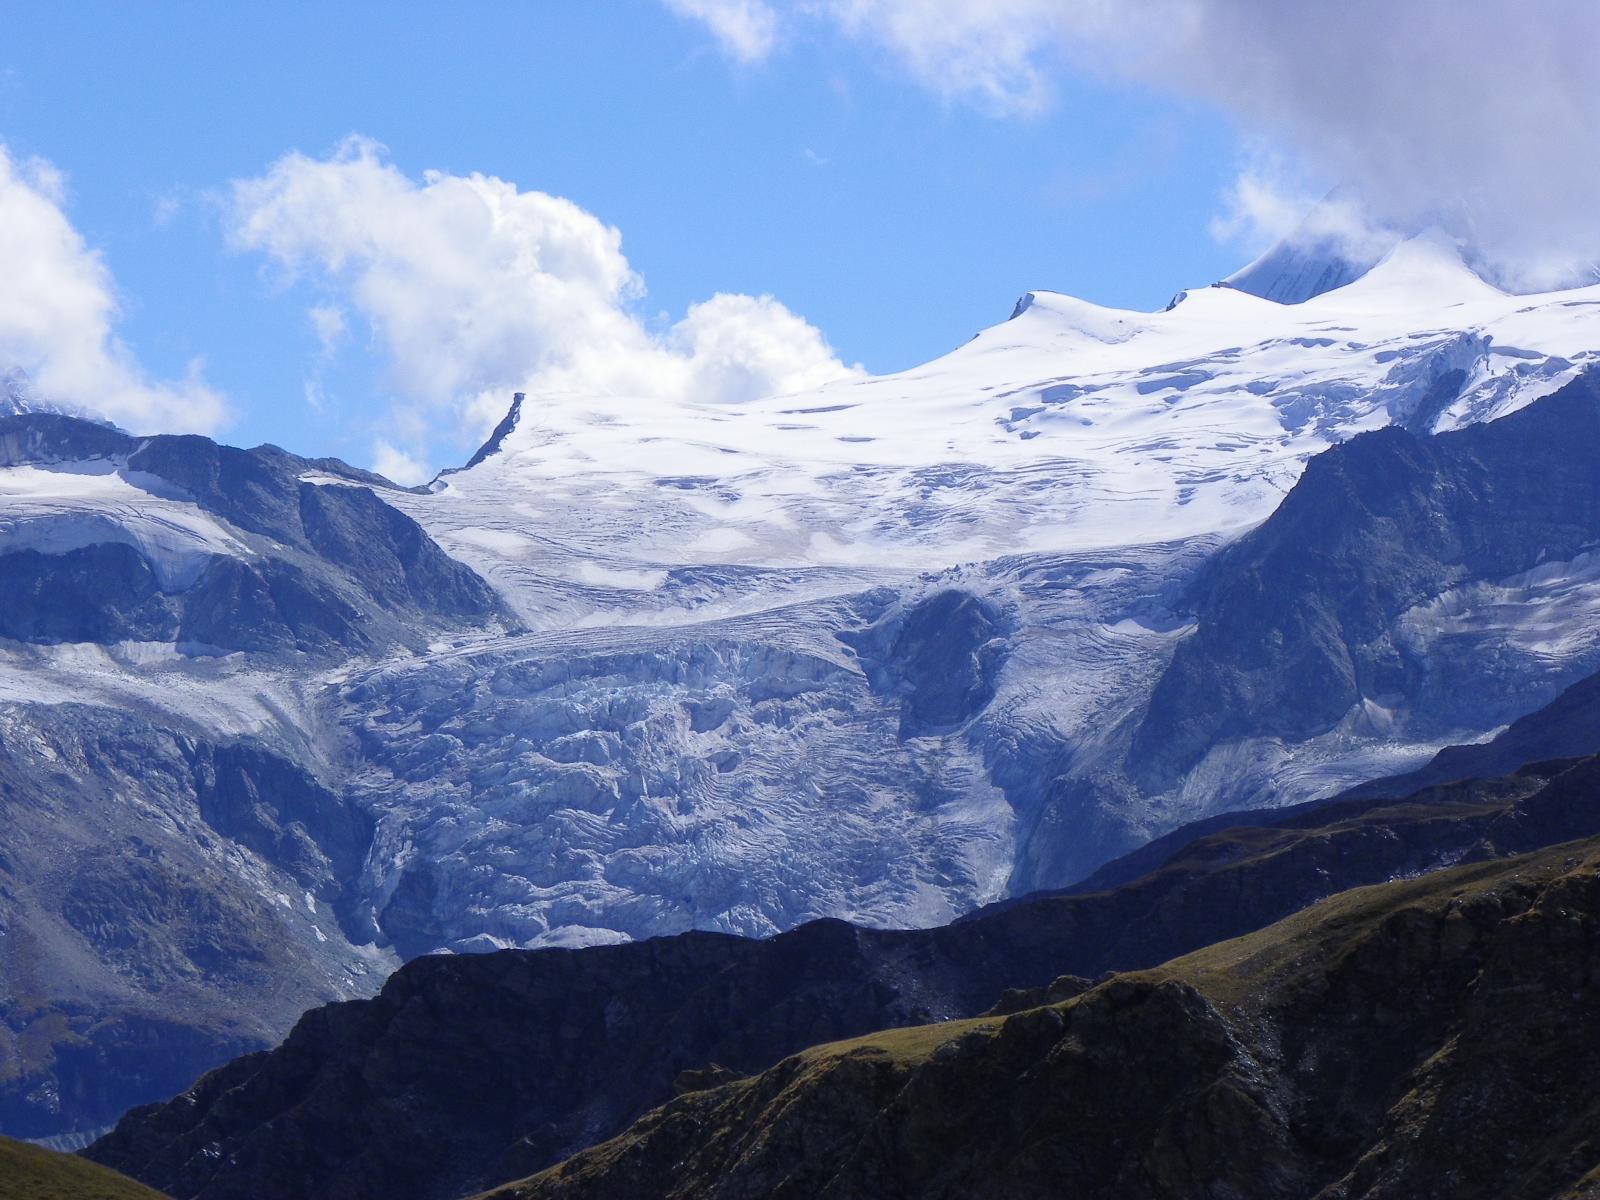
(1332, 247)
(16, 392)
(19, 395)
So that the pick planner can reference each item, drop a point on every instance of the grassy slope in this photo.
(34, 1173)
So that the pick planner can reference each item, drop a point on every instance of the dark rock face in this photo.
(497, 436)
(465, 1071)
(170, 899)
(332, 567)
(166, 903)
(1428, 1039)
(1292, 619)
(1567, 727)
(102, 593)
(268, 606)
(942, 656)
(278, 809)
(398, 565)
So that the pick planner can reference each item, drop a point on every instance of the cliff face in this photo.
(466, 1071)
(1429, 1038)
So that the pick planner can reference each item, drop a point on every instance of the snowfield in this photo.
(67, 506)
(1068, 428)
(1071, 465)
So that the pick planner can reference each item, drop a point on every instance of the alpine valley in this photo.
(1105, 638)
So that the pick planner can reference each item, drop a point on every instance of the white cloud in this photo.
(997, 52)
(58, 312)
(328, 323)
(1476, 115)
(746, 29)
(1269, 202)
(1471, 114)
(396, 464)
(474, 288)
(731, 348)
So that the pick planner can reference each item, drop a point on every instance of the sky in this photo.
(353, 229)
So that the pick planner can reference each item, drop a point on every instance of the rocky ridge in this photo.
(1422, 1039)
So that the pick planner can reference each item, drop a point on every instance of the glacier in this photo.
(879, 651)
(693, 732)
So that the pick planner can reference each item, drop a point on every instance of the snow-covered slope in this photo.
(66, 506)
(1068, 428)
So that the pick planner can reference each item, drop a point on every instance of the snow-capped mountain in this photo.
(708, 712)
(19, 395)
(887, 650)
(1068, 428)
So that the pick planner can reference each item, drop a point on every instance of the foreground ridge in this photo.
(1426, 1038)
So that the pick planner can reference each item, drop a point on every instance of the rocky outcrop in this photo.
(1295, 620)
(1566, 728)
(317, 561)
(467, 1070)
(940, 655)
(166, 903)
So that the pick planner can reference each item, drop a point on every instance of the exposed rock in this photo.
(166, 903)
(941, 655)
(1014, 1000)
(310, 566)
(1295, 619)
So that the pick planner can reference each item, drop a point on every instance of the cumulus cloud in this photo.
(473, 288)
(1475, 115)
(394, 463)
(58, 312)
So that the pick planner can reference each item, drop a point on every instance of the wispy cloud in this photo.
(747, 30)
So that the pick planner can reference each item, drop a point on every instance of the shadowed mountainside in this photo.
(466, 1071)
(1295, 619)
(1421, 1039)
(256, 550)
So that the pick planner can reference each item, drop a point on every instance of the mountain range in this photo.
(779, 694)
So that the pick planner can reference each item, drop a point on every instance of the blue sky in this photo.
(894, 173)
